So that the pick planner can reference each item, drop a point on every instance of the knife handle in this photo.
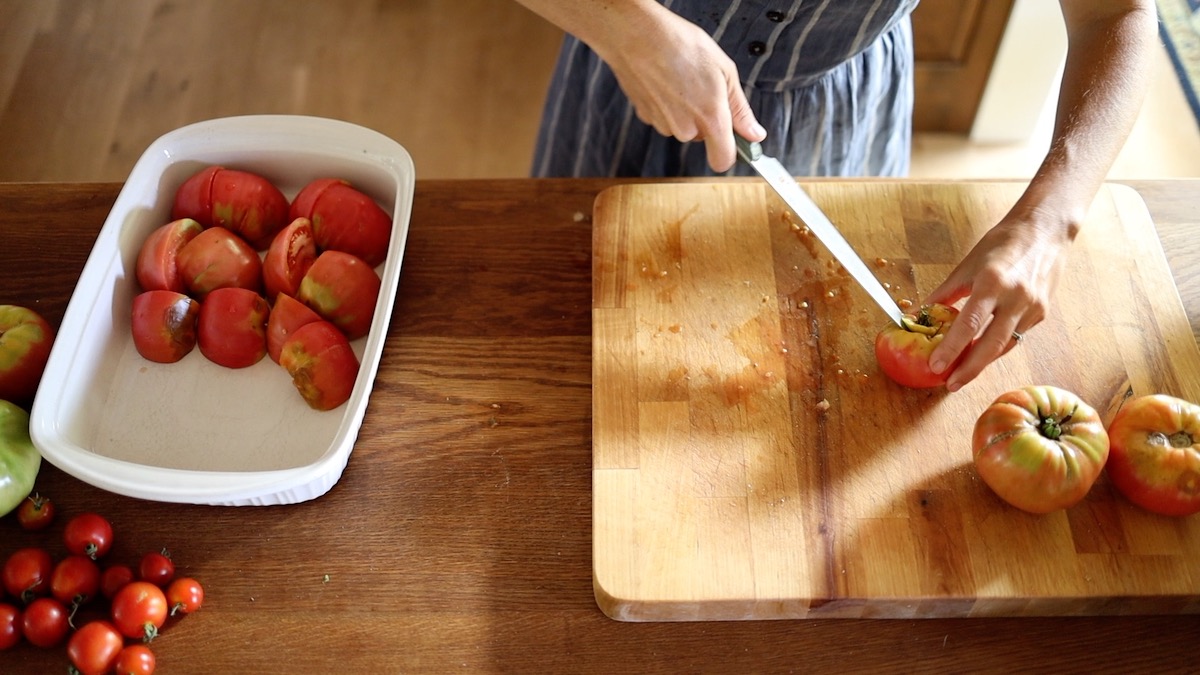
(749, 150)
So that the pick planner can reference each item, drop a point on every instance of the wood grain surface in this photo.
(751, 461)
(460, 536)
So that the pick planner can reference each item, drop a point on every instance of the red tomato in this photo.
(233, 327)
(157, 267)
(287, 315)
(306, 199)
(35, 513)
(25, 341)
(1155, 458)
(164, 325)
(193, 199)
(292, 252)
(27, 573)
(322, 364)
(45, 622)
(94, 648)
(343, 290)
(1040, 448)
(903, 351)
(218, 258)
(249, 205)
(139, 610)
(76, 580)
(11, 627)
(88, 534)
(157, 568)
(185, 595)
(345, 219)
(135, 660)
(114, 579)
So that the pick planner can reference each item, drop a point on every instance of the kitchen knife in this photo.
(818, 223)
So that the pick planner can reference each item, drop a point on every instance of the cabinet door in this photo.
(955, 43)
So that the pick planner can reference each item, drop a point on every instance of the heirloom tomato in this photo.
(287, 315)
(903, 351)
(157, 261)
(240, 201)
(322, 364)
(344, 219)
(343, 290)
(1155, 456)
(232, 330)
(20, 460)
(93, 649)
(25, 341)
(1040, 448)
(218, 258)
(289, 257)
(164, 325)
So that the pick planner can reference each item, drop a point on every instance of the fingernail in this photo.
(758, 130)
(953, 386)
(937, 366)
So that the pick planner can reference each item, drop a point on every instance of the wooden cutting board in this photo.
(723, 488)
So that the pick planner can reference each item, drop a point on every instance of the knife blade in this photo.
(818, 223)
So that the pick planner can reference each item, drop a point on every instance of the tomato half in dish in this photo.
(291, 254)
(344, 219)
(1155, 456)
(903, 351)
(164, 325)
(218, 258)
(241, 201)
(287, 316)
(232, 330)
(343, 290)
(1040, 448)
(322, 364)
(157, 262)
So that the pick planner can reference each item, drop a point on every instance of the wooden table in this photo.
(459, 537)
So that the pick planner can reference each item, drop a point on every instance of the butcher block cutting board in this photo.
(751, 461)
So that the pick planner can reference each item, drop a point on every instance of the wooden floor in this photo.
(86, 85)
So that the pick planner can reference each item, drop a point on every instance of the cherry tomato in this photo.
(88, 534)
(114, 579)
(94, 648)
(1155, 458)
(35, 513)
(345, 219)
(218, 258)
(45, 622)
(193, 199)
(903, 351)
(287, 315)
(76, 580)
(11, 628)
(157, 261)
(157, 568)
(164, 325)
(249, 205)
(233, 327)
(322, 364)
(27, 573)
(135, 660)
(1040, 448)
(185, 595)
(343, 290)
(139, 610)
(291, 253)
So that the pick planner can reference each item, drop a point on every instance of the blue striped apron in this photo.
(830, 80)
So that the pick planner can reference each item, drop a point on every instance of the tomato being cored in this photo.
(218, 258)
(1155, 455)
(345, 219)
(164, 325)
(903, 351)
(322, 364)
(1040, 448)
(232, 330)
(343, 290)
(291, 254)
(287, 315)
(157, 261)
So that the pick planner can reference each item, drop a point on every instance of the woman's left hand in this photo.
(1008, 279)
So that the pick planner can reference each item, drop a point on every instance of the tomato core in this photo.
(1181, 439)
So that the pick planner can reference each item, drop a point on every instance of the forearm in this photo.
(607, 26)
(1103, 85)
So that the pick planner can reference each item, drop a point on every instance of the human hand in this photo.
(1010, 276)
(681, 83)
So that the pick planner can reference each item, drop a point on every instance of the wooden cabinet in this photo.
(955, 44)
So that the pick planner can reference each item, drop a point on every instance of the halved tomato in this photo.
(287, 315)
(217, 258)
(164, 325)
(291, 254)
(343, 290)
(157, 264)
(233, 327)
(345, 219)
(249, 205)
(322, 364)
